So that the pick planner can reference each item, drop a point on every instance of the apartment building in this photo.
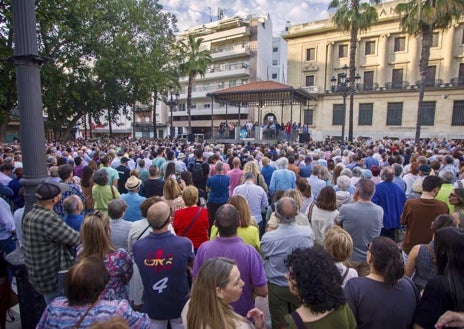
(386, 100)
(241, 49)
(278, 70)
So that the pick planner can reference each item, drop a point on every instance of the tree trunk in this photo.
(90, 126)
(155, 135)
(189, 102)
(352, 74)
(110, 125)
(427, 38)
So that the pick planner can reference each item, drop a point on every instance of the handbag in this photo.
(192, 222)
(112, 192)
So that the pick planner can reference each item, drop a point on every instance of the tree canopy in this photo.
(104, 55)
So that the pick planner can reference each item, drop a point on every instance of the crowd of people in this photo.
(165, 234)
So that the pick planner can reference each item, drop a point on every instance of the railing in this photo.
(430, 84)
(227, 67)
(222, 49)
(311, 89)
(209, 87)
(397, 85)
(457, 81)
(368, 87)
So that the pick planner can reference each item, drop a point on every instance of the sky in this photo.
(192, 13)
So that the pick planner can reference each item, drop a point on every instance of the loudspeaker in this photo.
(304, 137)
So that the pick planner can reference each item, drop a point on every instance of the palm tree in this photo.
(353, 16)
(422, 17)
(196, 62)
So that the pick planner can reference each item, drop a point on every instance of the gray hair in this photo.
(70, 203)
(286, 210)
(447, 177)
(100, 177)
(116, 208)
(282, 163)
(219, 166)
(398, 169)
(249, 175)
(356, 172)
(343, 183)
(346, 172)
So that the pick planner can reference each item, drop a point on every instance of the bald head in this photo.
(227, 220)
(159, 215)
(286, 209)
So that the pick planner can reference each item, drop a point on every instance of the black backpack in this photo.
(198, 176)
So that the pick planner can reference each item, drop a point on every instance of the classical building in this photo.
(242, 52)
(386, 101)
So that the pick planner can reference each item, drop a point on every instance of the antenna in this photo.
(210, 17)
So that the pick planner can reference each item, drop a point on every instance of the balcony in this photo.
(230, 51)
(368, 87)
(199, 91)
(431, 84)
(223, 71)
(227, 34)
(457, 82)
(311, 89)
(396, 85)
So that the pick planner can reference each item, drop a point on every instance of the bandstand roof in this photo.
(261, 93)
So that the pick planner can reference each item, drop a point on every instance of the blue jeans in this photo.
(8, 245)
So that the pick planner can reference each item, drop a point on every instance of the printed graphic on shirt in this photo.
(159, 260)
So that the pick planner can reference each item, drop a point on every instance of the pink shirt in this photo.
(235, 177)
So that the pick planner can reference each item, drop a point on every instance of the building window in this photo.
(365, 114)
(275, 62)
(194, 106)
(427, 115)
(370, 48)
(308, 117)
(394, 114)
(310, 54)
(435, 39)
(368, 80)
(460, 81)
(232, 83)
(342, 51)
(309, 80)
(397, 78)
(275, 49)
(274, 75)
(458, 114)
(207, 105)
(430, 76)
(400, 44)
(337, 117)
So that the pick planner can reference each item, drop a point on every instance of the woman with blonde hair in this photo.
(251, 166)
(95, 238)
(192, 221)
(172, 194)
(339, 245)
(300, 218)
(218, 284)
(248, 229)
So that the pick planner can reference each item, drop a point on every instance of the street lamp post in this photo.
(345, 88)
(172, 102)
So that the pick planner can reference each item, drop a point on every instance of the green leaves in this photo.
(106, 54)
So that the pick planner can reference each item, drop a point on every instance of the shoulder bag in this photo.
(192, 222)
